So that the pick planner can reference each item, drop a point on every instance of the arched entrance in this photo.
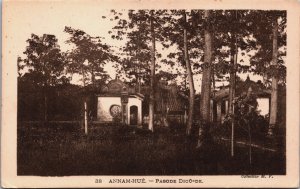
(133, 115)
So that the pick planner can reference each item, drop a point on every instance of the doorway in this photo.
(133, 115)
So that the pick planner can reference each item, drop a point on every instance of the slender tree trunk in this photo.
(85, 118)
(190, 78)
(233, 55)
(233, 62)
(274, 92)
(232, 77)
(138, 62)
(213, 117)
(85, 124)
(152, 68)
(206, 81)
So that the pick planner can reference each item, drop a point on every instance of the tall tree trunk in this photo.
(232, 76)
(274, 92)
(233, 62)
(233, 55)
(190, 78)
(152, 68)
(206, 81)
(138, 62)
(85, 124)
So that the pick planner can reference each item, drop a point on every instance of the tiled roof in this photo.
(258, 89)
(117, 87)
(222, 93)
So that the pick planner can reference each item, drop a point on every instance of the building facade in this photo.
(220, 99)
(118, 103)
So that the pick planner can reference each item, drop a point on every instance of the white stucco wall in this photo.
(135, 102)
(263, 106)
(103, 106)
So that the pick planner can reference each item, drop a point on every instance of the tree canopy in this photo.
(44, 62)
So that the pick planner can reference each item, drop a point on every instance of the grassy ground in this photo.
(63, 149)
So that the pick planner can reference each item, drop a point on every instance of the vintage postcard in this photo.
(136, 93)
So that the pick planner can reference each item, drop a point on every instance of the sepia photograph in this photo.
(158, 96)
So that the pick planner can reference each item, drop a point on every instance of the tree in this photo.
(261, 62)
(233, 62)
(45, 64)
(136, 52)
(190, 78)
(253, 31)
(206, 79)
(87, 59)
(274, 89)
(141, 28)
(181, 34)
(89, 55)
(270, 37)
(152, 78)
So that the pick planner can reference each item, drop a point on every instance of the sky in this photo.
(51, 18)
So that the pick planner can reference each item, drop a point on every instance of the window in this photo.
(115, 111)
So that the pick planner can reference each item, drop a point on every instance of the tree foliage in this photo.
(44, 62)
(89, 55)
(262, 26)
(136, 52)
